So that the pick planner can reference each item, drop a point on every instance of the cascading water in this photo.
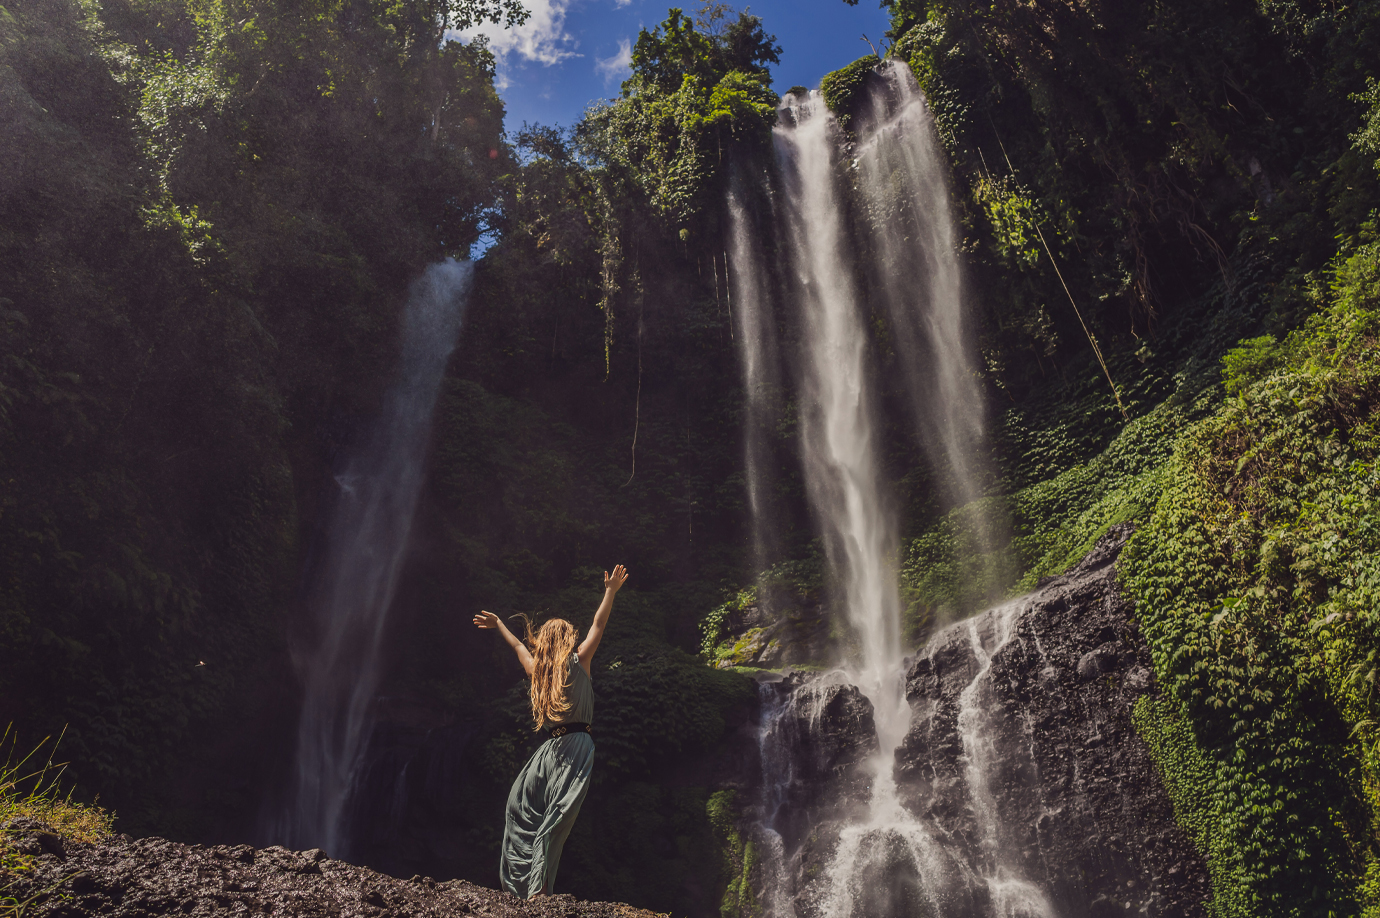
(883, 858)
(369, 529)
(756, 334)
(837, 440)
(838, 446)
(1011, 893)
(902, 174)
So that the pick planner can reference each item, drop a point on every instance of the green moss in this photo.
(840, 88)
(739, 858)
(1187, 776)
(713, 627)
(746, 647)
(1257, 584)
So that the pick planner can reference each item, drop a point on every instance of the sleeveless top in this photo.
(579, 691)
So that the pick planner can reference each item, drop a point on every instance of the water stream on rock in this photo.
(1012, 894)
(366, 543)
(879, 857)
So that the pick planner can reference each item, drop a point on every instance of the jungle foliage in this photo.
(208, 214)
(1256, 577)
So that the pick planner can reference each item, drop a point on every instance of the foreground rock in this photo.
(818, 733)
(152, 876)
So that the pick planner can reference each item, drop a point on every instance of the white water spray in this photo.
(838, 440)
(370, 525)
(903, 177)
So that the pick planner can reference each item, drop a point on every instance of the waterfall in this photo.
(869, 853)
(367, 539)
(838, 439)
(755, 327)
(902, 174)
(838, 444)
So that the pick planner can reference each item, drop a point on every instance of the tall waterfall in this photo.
(883, 858)
(902, 173)
(838, 439)
(369, 528)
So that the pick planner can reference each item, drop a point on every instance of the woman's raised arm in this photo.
(487, 620)
(612, 583)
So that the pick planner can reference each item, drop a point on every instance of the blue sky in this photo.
(572, 52)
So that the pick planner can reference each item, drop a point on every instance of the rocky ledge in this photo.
(134, 878)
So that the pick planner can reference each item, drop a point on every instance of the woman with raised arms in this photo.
(548, 792)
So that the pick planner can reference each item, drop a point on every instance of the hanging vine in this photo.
(611, 259)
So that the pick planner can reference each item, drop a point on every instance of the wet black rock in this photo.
(1076, 806)
(833, 730)
(821, 736)
(125, 878)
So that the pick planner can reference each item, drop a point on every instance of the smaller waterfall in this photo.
(1012, 895)
(369, 529)
(756, 332)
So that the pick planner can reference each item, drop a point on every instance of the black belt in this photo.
(562, 729)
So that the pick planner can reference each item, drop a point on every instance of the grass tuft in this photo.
(32, 790)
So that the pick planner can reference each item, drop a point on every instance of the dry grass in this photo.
(30, 786)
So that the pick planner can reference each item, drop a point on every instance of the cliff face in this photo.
(1021, 782)
(1077, 805)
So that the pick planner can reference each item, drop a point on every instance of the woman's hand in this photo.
(488, 621)
(612, 582)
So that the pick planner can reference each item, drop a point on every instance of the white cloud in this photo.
(542, 38)
(618, 66)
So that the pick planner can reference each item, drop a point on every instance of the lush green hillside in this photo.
(209, 215)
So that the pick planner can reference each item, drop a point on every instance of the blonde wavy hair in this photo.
(551, 646)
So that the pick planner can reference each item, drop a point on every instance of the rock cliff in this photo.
(1077, 805)
(1021, 786)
